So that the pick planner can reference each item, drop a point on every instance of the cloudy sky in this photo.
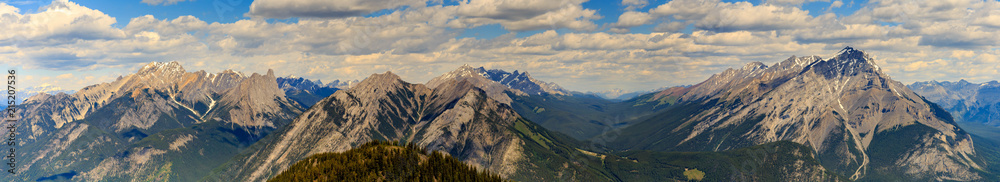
(579, 44)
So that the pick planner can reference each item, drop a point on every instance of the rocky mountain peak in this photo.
(387, 77)
(752, 66)
(848, 62)
(843, 107)
(341, 84)
(464, 71)
(256, 102)
(379, 83)
(851, 52)
(161, 67)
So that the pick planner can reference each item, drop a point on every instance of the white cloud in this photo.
(422, 42)
(739, 38)
(673, 26)
(59, 22)
(686, 9)
(522, 15)
(746, 16)
(177, 26)
(282, 9)
(634, 4)
(949, 24)
(842, 33)
(790, 2)
(835, 4)
(722, 16)
(992, 21)
(632, 18)
(513, 15)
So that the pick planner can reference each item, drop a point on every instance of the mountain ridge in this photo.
(454, 116)
(107, 130)
(836, 106)
(968, 102)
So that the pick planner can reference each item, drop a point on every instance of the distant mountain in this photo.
(44, 88)
(454, 116)
(969, 102)
(580, 116)
(157, 124)
(617, 94)
(621, 95)
(28, 92)
(521, 81)
(345, 84)
(860, 122)
(304, 91)
(495, 82)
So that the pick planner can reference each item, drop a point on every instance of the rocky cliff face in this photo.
(103, 124)
(454, 116)
(969, 102)
(255, 102)
(861, 122)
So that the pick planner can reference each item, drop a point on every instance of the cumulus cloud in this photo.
(421, 41)
(282, 9)
(791, 2)
(842, 33)
(835, 4)
(513, 15)
(673, 26)
(521, 15)
(634, 4)
(966, 24)
(723, 16)
(62, 21)
(740, 38)
(632, 18)
(176, 26)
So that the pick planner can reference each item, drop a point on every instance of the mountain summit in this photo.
(862, 123)
(145, 122)
(495, 82)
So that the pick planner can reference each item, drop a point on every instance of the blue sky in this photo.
(581, 45)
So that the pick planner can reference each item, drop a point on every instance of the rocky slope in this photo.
(458, 118)
(455, 116)
(578, 115)
(101, 130)
(862, 123)
(969, 102)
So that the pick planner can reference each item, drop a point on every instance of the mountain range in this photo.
(800, 119)
(154, 124)
(969, 102)
(861, 123)
(453, 113)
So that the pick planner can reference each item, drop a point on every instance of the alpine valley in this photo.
(800, 119)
